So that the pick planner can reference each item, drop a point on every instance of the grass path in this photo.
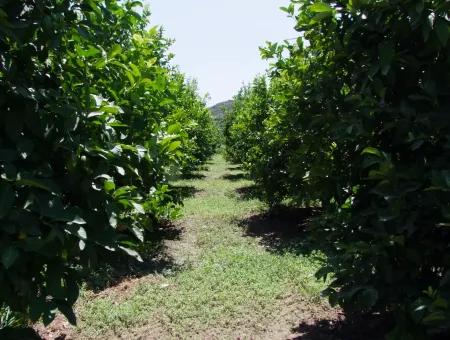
(223, 284)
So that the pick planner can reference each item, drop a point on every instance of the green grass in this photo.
(11, 319)
(227, 284)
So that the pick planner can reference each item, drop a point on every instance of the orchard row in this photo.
(94, 123)
(354, 119)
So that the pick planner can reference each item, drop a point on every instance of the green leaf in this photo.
(113, 220)
(138, 208)
(25, 147)
(57, 213)
(289, 10)
(123, 191)
(95, 114)
(6, 198)
(116, 49)
(135, 70)
(82, 233)
(82, 245)
(8, 155)
(130, 77)
(132, 253)
(68, 312)
(94, 6)
(434, 317)
(78, 220)
(166, 101)
(368, 297)
(174, 128)
(90, 52)
(442, 31)
(372, 151)
(110, 109)
(386, 52)
(9, 256)
(320, 7)
(173, 146)
(109, 186)
(55, 282)
(38, 307)
(116, 150)
(138, 232)
(120, 170)
(44, 184)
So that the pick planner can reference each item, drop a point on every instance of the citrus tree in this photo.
(87, 143)
(358, 124)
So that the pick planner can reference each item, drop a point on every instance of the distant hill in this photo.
(218, 110)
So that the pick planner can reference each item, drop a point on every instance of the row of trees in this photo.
(94, 122)
(354, 118)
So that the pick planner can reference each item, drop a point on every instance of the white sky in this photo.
(216, 42)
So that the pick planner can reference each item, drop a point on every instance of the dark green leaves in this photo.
(367, 298)
(132, 253)
(355, 120)
(9, 256)
(94, 121)
(6, 198)
(442, 30)
(39, 183)
(387, 54)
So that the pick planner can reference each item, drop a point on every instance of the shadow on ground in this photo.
(121, 267)
(285, 229)
(234, 177)
(248, 193)
(184, 192)
(281, 230)
(19, 333)
(367, 327)
(235, 168)
(193, 175)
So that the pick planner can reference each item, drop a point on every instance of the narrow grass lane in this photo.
(224, 284)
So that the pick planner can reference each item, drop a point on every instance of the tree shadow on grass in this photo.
(234, 177)
(193, 175)
(285, 229)
(187, 191)
(250, 192)
(281, 229)
(236, 167)
(119, 267)
(367, 327)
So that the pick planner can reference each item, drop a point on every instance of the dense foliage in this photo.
(94, 121)
(249, 110)
(358, 123)
(190, 113)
